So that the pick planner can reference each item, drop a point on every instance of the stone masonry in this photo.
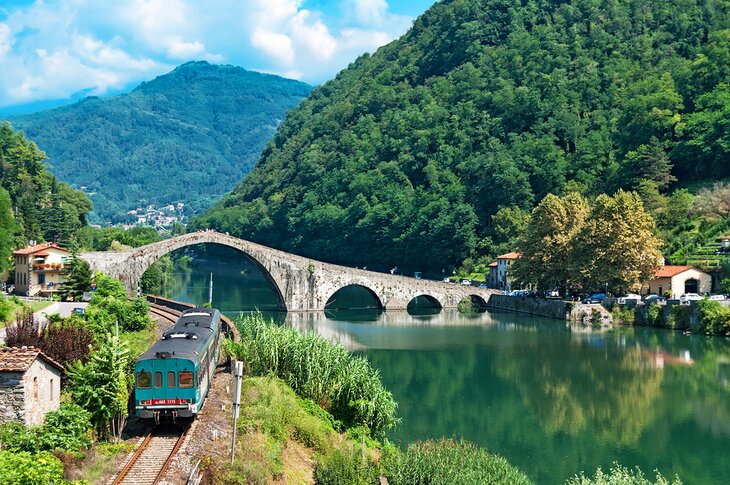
(301, 284)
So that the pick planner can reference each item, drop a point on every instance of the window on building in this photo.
(35, 388)
(185, 379)
(171, 379)
(158, 380)
(51, 393)
(144, 380)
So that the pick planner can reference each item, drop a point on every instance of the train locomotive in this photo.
(171, 379)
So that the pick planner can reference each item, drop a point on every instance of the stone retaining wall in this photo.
(542, 307)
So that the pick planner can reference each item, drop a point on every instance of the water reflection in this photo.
(552, 401)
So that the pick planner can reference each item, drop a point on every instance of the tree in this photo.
(8, 229)
(546, 246)
(713, 203)
(77, 274)
(617, 248)
(101, 386)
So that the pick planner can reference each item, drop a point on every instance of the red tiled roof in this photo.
(39, 247)
(19, 359)
(493, 264)
(669, 271)
(511, 255)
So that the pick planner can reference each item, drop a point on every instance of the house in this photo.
(492, 275)
(679, 280)
(504, 262)
(30, 385)
(38, 269)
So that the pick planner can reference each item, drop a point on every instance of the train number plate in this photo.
(166, 401)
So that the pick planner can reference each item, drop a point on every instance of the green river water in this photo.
(551, 400)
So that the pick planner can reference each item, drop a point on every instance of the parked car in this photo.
(630, 296)
(718, 297)
(688, 297)
(79, 310)
(447, 280)
(654, 299)
(466, 282)
(483, 285)
(595, 298)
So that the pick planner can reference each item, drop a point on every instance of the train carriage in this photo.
(173, 377)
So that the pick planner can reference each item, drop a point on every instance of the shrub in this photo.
(619, 475)
(346, 386)
(450, 461)
(679, 316)
(24, 468)
(66, 429)
(25, 330)
(67, 341)
(347, 464)
(5, 309)
(623, 316)
(713, 317)
(654, 315)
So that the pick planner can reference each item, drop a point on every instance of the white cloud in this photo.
(55, 48)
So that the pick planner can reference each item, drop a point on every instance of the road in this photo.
(62, 308)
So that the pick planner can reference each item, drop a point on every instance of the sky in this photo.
(58, 50)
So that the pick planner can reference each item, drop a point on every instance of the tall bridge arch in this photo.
(301, 284)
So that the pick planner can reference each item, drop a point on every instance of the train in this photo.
(172, 379)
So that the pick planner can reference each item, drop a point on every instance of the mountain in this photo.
(188, 136)
(405, 157)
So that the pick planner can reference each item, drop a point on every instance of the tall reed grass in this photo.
(343, 384)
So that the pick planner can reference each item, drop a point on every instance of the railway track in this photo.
(154, 455)
(164, 312)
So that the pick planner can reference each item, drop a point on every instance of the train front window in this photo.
(144, 380)
(171, 379)
(185, 379)
(158, 380)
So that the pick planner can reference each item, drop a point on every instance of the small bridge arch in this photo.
(301, 284)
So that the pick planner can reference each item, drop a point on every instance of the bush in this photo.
(5, 309)
(623, 316)
(347, 464)
(67, 429)
(24, 468)
(619, 475)
(346, 386)
(452, 462)
(654, 315)
(679, 317)
(713, 318)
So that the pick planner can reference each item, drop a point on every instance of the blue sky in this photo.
(62, 49)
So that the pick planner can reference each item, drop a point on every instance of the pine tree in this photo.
(8, 228)
(77, 274)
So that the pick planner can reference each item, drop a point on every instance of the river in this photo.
(550, 400)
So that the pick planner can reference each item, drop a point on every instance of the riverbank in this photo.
(541, 307)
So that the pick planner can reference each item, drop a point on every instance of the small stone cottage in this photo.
(30, 385)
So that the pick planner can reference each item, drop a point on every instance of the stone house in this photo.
(38, 269)
(492, 275)
(679, 280)
(30, 385)
(504, 262)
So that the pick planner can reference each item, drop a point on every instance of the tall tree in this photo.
(77, 275)
(546, 246)
(8, 229)
(618, 248)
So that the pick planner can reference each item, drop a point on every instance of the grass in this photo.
(100, 462)
(346, 386)
(16, 305)
(139, 341)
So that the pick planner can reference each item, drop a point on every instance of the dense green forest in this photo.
(407, 155)
(34, 205)
(187, 136)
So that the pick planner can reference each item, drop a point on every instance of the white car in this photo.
(466, 282)
(630, 296)
(688, 297)
(718, 297)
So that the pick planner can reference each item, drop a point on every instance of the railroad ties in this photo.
(150, 461)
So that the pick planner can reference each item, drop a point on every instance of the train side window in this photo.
(158, 380)
(144, 380)
(185, 379)
(171, 379)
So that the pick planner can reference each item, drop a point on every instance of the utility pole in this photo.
(210, 291)
(237, 377)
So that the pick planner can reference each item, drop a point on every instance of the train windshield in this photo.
(185, 379)
(144, 380)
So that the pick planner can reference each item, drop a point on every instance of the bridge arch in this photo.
(377, 300)
(424, 301)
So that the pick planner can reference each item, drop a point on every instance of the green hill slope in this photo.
(405, 156)
(187, 136)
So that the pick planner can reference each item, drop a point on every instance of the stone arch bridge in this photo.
(301, 284)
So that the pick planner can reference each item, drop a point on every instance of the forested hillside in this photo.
(187, 136)
(34, 205)
(405, 157)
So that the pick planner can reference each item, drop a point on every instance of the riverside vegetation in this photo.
(346, 437)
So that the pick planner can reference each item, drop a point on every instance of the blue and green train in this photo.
(173, 377)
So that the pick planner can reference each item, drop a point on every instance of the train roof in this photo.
(188, 337)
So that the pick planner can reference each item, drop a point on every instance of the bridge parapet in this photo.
(301, 284)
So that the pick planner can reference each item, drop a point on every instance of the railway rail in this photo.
(165, 312)
(149, 463)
